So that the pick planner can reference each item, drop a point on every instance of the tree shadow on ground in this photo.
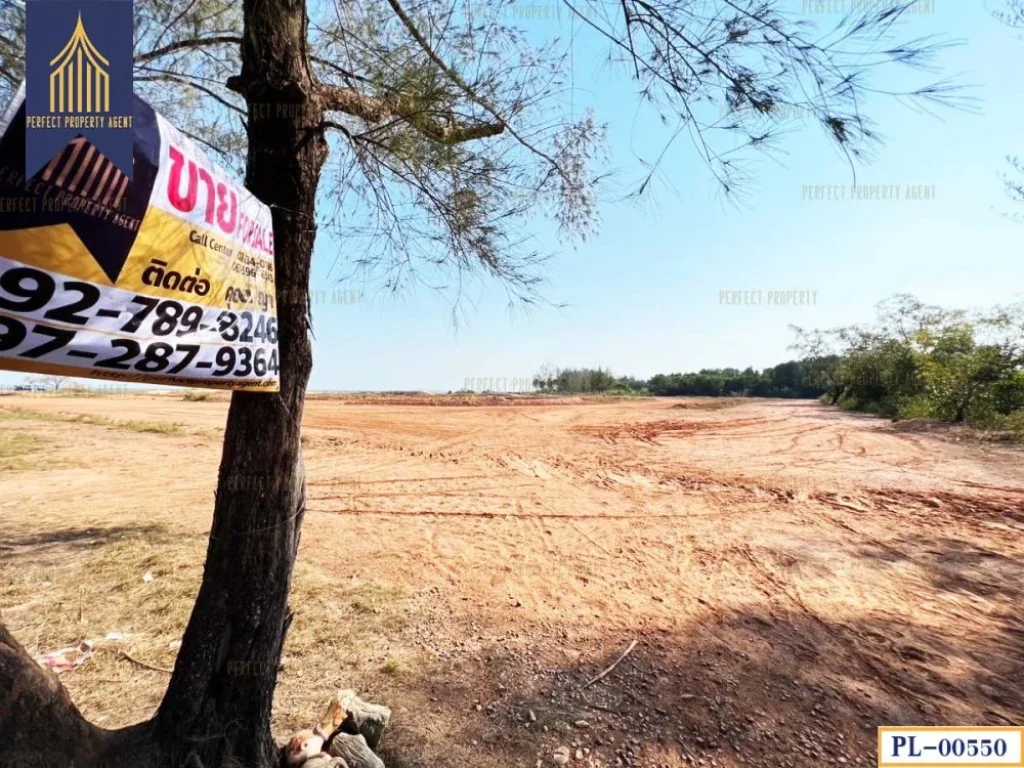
(70, 539)
(55, 546)
(755, 687)
(955, 565)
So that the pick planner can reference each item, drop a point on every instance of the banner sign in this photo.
(165, 278)
(78, 76)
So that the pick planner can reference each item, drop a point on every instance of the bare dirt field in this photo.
(793, 576)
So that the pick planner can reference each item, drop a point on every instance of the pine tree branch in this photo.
(374, 109)
(181, 45)
(456, 78)
(187, 81)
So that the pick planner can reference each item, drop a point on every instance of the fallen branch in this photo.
(625, 653)
(602, 708)
(133, 660)
(686, 751)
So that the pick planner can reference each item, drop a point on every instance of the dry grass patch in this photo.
(345, 629)
(60, 587)
(205, 396)
(16, 449)
(155, 427)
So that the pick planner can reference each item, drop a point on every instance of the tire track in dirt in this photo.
(649, 431)
(389, 481)
(436, 560)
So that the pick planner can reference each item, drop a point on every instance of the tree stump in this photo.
(355, 751)
(351, 715)
(325, 761)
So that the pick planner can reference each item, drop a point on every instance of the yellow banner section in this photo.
(170, 259)
(56, 248)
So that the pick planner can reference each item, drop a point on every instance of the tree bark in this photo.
(837, 392)
(35, 707)
(218, 703)
(40, 727)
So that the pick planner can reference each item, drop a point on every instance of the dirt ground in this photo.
(793, 576)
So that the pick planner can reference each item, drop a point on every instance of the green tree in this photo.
(822, 366)
(960, 375)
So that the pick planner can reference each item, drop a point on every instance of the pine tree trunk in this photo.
(218, 704)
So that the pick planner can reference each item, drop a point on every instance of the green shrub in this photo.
(1014, 424)
(918, 407)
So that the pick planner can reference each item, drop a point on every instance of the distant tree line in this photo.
(577, 380)
(915, 360)
(790, 379)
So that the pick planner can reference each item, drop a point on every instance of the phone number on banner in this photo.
(54, 299)
(85, 348)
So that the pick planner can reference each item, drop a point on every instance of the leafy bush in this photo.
(915, 408)
(1014, 424)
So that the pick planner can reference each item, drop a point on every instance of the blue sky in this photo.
(644, 296)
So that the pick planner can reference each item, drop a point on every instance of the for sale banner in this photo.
(166, 278)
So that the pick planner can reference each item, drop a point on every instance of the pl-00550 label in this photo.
(953, 746)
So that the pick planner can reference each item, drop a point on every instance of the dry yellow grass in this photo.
(16, 449)
(61, 587)
(156, 427)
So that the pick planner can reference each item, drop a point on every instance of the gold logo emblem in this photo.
(78, 79)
